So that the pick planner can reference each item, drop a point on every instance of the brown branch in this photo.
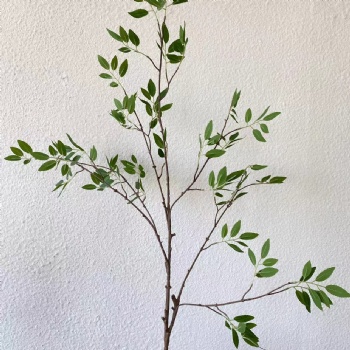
(242, 300)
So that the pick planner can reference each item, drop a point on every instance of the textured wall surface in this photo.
(83, 272)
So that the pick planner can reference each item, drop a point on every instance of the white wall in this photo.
(82, 271)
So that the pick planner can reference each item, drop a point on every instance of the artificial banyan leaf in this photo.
(24, 146)
(235, 338)
(241, 327)
(270, 262)
(123, 34)
(123, 68)
(105, 76)
(215, 153)
(265, 249)
(114, 63)
(151, 87)
(47, 165)
(258, 135)
(324, 298)
(252, 256)
(134, 38)
(267, 272)
(73, 143)
(272, 116)
(236, 228)
(222, 176)
(313, 269)
(258, 167)
(208, 130)
(306, 270)
(13, 158)
(235, 98)
(93, 153)
(158, 140)
(40, 156)
(138, 13)
(307, 301)
(277, 179)
(337, 291)
(166, 107)
(103, 62)
(315, 298)
(114, 35)
(89, 187)
(161, 153)
(264, 128)
(211, 179)
(165, 33)
(124, 49)
(174, 58)
(236, 248)
(224, 231)
(16, 151)
(325, 274)
(64, 169)
(248, 235)
(251, 342)
(244, 318)
(248, 115)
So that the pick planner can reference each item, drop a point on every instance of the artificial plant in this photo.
(144, 112)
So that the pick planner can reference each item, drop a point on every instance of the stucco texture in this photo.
(83, 271)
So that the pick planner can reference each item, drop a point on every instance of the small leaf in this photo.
(248, 235)
(272, 116)
(315, 298)
(277, 180)
(93, 153)
(306, 270)
(64, 169)
(208, 130)
(13, 158)
(215, 153)
(158, 140)
(165, 33)
(270, 262)
(325, 274)
(16, 151)
(265, 249)
(235, 338)
(134, 38)
(241, 327)
(236, 248)
(114, 63)
(89, 187)
(151, 87)
(258, 167)
(47, 165)
(166, 107)
(252, 256)
(224, 231)
(248, 116)
(258, 135)
(103, 62)
(235, 98)
(174, 59)
(138, 13)
(123, 34)
(40, 156)
(123, 68)
(264, 128)
(52, 151)
(24, 146)
(307, 301)
(211, 179)
(337, 291)
(114, 35)
(105, 76)
(267, 272)
(222, 176)
(236, 228)
(73, 143)
(244, 318)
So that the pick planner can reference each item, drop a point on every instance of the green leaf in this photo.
(93, 153)
(161, 153)
(158, 140)
(241, 327)
(73, 143)
(325, 274)
(64, 169)
(16, 151)
(174, 59)
(251, 342)
(235, 98)
(277, 180)
(265, 249)
(178, 2)
(114, 63)
(151, 87)
(236, 248)
(124, 49)
(306, 270)
(166, 107)
(248, 236)
(258, 135)
(267, 272)
(13, 158)
(40, 156)
(252, 256)
(123, 68)
(337, 291)
(215, 153)
(114, 35)
(272, 116)
(270, 262)
(307, 301)
(208, 130)
(244, 318)
(211, 179)
(258, 167)
(24, 146)
(324, 298)
(89, 187)
(235, 338)
(315, 298)
(236, 228)
(52, 151)
(123, 34)
(222, 176)
(105, 76)
(224, 231)
(103, 62)
(248, 115)
(47, 165)
(165, 33)
(138, 13)
(264, 128)
(134, 38)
